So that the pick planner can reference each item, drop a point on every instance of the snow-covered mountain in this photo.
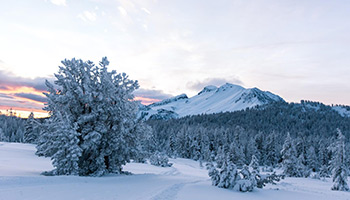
(211, 99)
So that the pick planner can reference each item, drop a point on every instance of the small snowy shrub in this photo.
(160, 159)
(244, 180)
(262, 180)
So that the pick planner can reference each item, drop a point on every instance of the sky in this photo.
(297, 49)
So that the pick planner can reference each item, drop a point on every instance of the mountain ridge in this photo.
(211, 99)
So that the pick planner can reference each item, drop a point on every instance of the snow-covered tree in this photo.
(2, 135)
(213, 174)
(254, 163)
(229, 175)
(31, 133)
(247, 182)
(290, 162)
(220, 157)
(92, 128)
(338, 164)
(311, 159)
(160, 159)
(236, 154)
(272, 153)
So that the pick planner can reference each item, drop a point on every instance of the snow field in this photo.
(20, 178)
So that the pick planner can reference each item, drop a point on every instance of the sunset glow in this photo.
(24, 105)
(296, 50)
(145, 100)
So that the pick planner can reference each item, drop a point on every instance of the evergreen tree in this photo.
(248, 182)
(271, 150)
(290, 162)
(338, 164)
(31, 133)
(220, 157)
(311, 159)
(2, 135)
(254, 164)
(229, 175)
(213, 174)
(92, 129)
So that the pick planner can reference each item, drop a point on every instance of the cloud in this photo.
(32, 97)
(199, 85)
(122, 11)
(7, 103)
(8, 79)
(59, 2)
(88, 16)
(5, 96)
(146, 11)
(151, 94)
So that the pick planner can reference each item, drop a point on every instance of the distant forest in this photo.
(259, 131)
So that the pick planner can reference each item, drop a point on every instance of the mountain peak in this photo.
(227, 98)
(230, 87)
(208, 88)
(170, 100)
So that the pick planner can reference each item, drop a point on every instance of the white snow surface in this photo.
(227, 98)
(20, 179)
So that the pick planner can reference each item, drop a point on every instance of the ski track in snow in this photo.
(169, 193)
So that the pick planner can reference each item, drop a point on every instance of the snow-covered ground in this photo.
(20, 179)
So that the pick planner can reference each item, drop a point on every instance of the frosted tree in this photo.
(236, 154)
(271, 151)
(2, 135)
(31, 133)
(220, 157)
(92, 129)
(290, 162)
(311, 159)
(213, 174)
(229, 175)
(338, 164)
(160, 159)
(301, 167)
(254, 163)
(66, 157)
(145, 143)
(248, 181)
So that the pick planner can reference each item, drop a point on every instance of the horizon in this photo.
(296, 50)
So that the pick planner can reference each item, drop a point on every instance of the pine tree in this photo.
(290, 162)
(229, 175)
(254, 163)
(248, 181)
(338, 164)
(92, 129)
(31, 133)
(2, 135)
(236, 154)
(160, 159)
(311, 159)
(271, 151)
(220, 157)
(213, 174)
